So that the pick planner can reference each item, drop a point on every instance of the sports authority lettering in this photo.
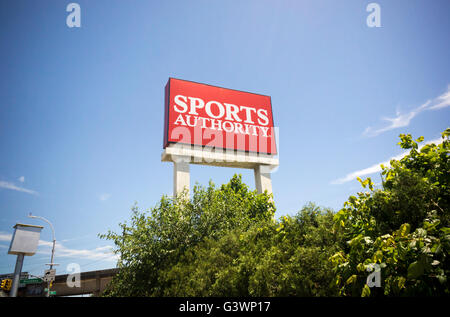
(223, 117)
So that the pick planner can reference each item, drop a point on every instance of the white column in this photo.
(262, 179)
(181, 176)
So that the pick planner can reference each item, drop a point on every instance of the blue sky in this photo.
(81, 109)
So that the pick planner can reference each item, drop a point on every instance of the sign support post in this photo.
(181, 176)
(263, 181)
(17, 271)
(182, 156)
(24, 242)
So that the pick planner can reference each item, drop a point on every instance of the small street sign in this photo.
(51, 292)
(31, 281)
(49, 275)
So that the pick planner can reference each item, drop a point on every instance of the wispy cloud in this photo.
(403, 119)
(376, 168)
(104, 197)
(100, 253)
(5, 237)
(12, 186)
(79, 238)
(21, 179)
(442, 101)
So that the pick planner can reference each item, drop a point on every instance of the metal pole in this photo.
(17, 271)
(51, 263)
(53, 252)
(53, 248)
(53, 234)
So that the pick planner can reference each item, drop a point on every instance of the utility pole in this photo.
(50, 272)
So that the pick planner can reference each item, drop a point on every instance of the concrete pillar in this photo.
(181, 176)
(262, 179)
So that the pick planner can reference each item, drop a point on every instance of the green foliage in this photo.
(157, 238)
(403, 227)
(271, 258)
(224, 242)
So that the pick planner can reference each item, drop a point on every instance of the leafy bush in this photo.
(156, 239)
(271, 258)
(224, 242)
(403, 227)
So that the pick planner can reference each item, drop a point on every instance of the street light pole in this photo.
(53, 248)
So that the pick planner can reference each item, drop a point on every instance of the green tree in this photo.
(288, 257)
(402, 227)
(225, 242)
(156, 239)
(294, 262)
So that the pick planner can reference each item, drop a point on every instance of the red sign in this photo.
(205, 115)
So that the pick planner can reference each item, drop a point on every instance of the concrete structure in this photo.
(92, 282)
(183, 155)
